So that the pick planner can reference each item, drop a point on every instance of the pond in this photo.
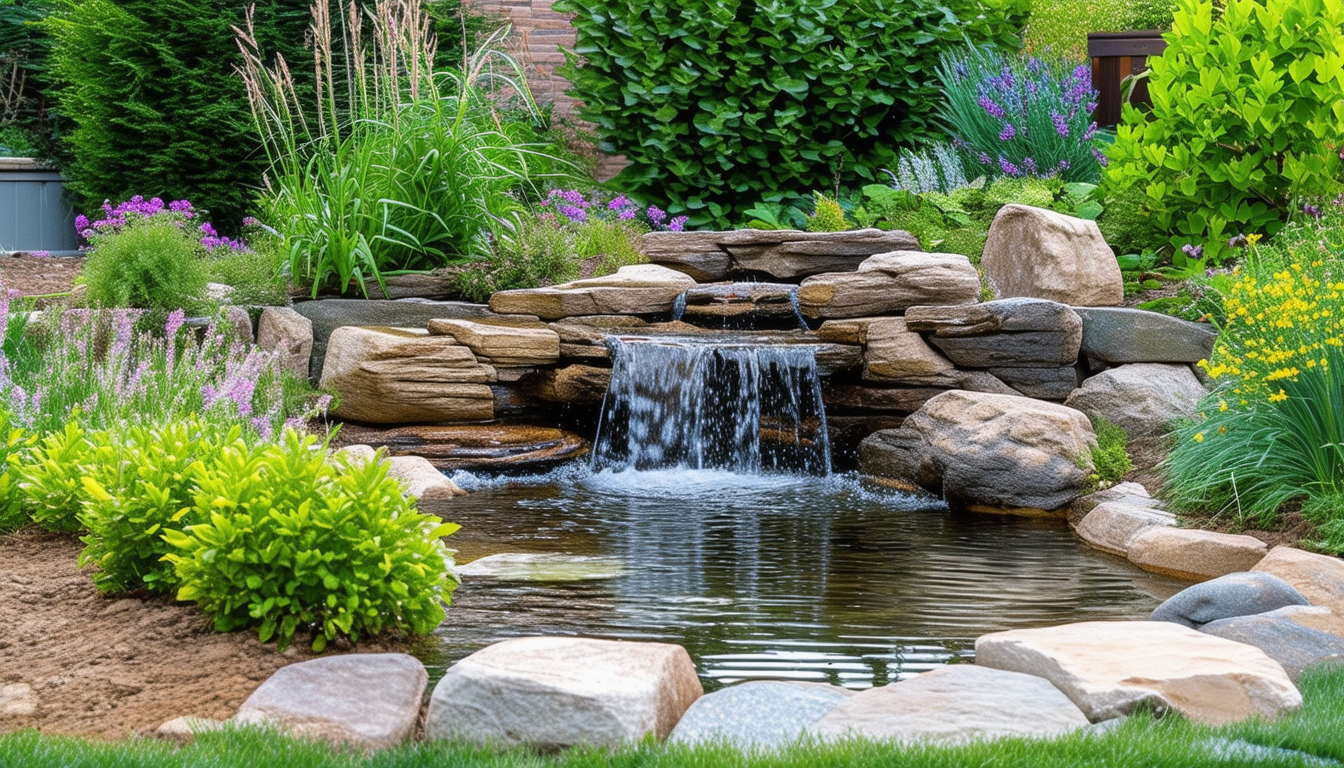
(770, 576)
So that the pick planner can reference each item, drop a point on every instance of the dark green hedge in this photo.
(717, 103)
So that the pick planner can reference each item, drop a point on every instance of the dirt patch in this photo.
(39, 276)
(111, 667)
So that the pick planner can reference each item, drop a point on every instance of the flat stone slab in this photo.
(1236, 594)
(957, 703)
(1142, 398)
(329, 314)
(558, 692)
(785, 254)
(1292, 644)
(1109, 668)
(1007, 333)
(1194, 555)
(641, 289)
(757, 714)
(362, 699)
(1320, 578)
(542, 567)
(890, 283)
(1110, 525)
(1129, 493)
(1126, 335)
(1041, 383)
(483, 446)
(503, 344)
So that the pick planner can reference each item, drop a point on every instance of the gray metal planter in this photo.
(34, 215)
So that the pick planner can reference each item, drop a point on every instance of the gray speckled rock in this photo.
(1008, 333)
(1143, 398)
(957, 704)
(1284, 640)
(1124, 335)
(757, 714)
(1236, 594)
(1040, 383)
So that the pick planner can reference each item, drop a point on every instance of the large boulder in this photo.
(1126, 335)
(1111, 525)
(503, 343)
(1008, 333)
(1142, 398)
(369, 700)
(1294, 645)
(1047, 255)
(890, 283)
(641, 289)
(329, 314)
(988, 451)
(1320, 578)
(290, 335)
(1192, 554)
(784, 254)
(556, 692)
(957, 704)
(1110, 668)
(404, 375)
(757, 714)
(1236, 594)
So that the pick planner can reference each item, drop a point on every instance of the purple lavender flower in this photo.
(991, 107)
(175, 320)
(1090, 132)
(573, 213)
(626, 214)
(1063, 165)
(251, 221)
(1007, 133)
(1061, 124)
(677, 224)
(984, 158)
(1193, 251)
(1029, 166)
(1312, 211)
(620, 202)
(1008, 168)
(656, 215)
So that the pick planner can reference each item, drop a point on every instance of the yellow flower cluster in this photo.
(1279, 329)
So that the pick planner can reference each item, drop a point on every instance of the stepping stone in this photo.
(757, 714)
(1236, 594)
(558, 692)
(1194, 555)
(1110, 525)
(1108, 669)
(957, 703)
(362, 699)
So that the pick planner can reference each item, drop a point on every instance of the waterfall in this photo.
(700, 405)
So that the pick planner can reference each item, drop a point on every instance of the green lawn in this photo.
(1316, 732)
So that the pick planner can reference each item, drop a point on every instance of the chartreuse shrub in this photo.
(52, 479)
(1271, 434)
(716, 102)
(13, 443)
(1245, 119)
(289, 541)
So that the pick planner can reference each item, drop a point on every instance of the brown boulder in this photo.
(1042, 254)
(890, 283)
(503, 343)
(635, 290)
(1194, 555)
(1320, 578)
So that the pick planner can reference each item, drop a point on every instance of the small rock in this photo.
(756, 714)
(543, 567)
(286, 331)
(572, 384)
(1047, 255)
(1125, 335)
(362, 699)
(1320, 578)
(1108, 668)
(502, 342)
(1111, 525)
(889, 283)
(1194, 555)
(1293, 645)
(1143, 398)
(183, 730)
(558, 692)
(634, 290)
(357, 454)
(421, 479)
(1236, 594)
(957, 703)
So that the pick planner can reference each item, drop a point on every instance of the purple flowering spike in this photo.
(1008, 168)
(991, 107)
(1312, 211)
(1029, 166)
(1061, 124)
(656, 215)
(677, 224)
(1007, 133)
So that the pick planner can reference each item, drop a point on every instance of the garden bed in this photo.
(39, 276)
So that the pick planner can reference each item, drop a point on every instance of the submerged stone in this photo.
(543, 567)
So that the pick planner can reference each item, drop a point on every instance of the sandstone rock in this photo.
(894, 354)
(1142, 398)
(542, 567)
(400, 375)
(362, 699)
(1311, 617)
(1320, 578)
(782, 254)
(503, 344)
(756, 714)
(635, 290)
(329, 314)
(1295, 646)
(1108, 668)
(1040, 383)
(17, 700)
(1047, 255)
(486, 446)
(1195, 555)
(556, 692)
(1133, 494)
(958, 704)
(889, 283)
(573, 384)
(357, 453)
(1236, 594)
(1124, 335)
(1110, 525)
(286, 331)
(421, 479)
(1008, 333)
(986, 450)
(895, 399)
(183, 730)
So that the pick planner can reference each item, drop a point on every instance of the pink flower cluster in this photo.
(576, 208)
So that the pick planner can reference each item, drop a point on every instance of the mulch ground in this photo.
(74, 662)
(39, 276)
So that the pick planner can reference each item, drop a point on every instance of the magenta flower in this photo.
(1007, 133)
(677, 224)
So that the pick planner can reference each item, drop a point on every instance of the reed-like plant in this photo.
(391, 166)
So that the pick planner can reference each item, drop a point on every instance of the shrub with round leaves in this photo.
(292, 542)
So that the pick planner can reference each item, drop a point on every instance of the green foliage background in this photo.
(716, 103)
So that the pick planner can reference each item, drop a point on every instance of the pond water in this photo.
(771, 576)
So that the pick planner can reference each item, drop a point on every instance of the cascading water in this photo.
(738, 407)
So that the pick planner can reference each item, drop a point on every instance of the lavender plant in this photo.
(1021, 117)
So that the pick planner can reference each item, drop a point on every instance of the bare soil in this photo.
(40, 276)
(110, 667)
